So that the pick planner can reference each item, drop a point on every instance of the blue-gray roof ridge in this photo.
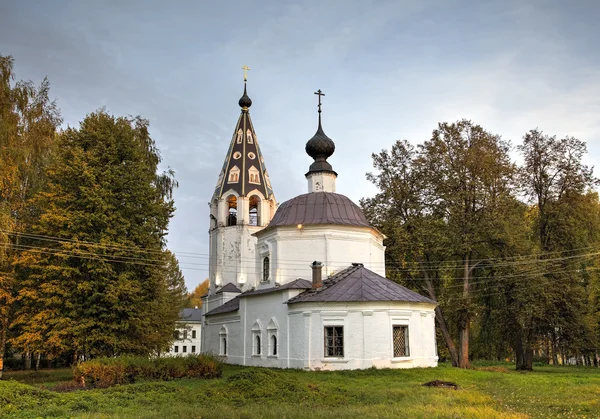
(357, 283)
(234, 304)
(296, 284)
(228, 307)
(229, 287)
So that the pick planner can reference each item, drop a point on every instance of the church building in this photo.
(302, 284)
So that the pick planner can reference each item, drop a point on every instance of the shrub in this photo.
(106, 372)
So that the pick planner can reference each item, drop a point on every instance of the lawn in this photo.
(486, 392)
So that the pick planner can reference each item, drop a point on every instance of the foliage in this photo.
(28, 122)
(103, 283)
(195, 297)
(441, 203)
(106, 372)
(506, 251)
(550, 392)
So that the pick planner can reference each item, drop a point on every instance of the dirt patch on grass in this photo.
(442, 384)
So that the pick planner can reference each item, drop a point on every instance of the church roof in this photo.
(229, 288)
(229, 306)
(244, 168)
(190, 315)
(319, 208)
(298, 284)
(234, 305)
(357, 283)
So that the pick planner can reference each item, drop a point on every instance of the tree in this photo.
(195, 298)
(442, 203)
(556, 182)
(96, 279)
(28, 123)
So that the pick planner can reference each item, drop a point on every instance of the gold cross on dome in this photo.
(245, 68)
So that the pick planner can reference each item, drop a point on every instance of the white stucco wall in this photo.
(367, 334)
(291, 250)
(300, 333)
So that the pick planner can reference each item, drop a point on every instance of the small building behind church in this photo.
(303, 285)
(187, 337)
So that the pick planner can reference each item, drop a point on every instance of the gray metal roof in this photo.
(229, 306)
(357, 283)
(319, 208)
(190, 315)
(229, 288)
(234, 305)
(298, 284)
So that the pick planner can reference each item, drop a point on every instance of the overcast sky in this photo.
(390, 70)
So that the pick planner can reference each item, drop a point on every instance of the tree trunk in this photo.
(27, 360)
(37, 361)
(463, 322)
(440, 320)
(554, 348)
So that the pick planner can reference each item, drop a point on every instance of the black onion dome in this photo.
(320, 147)
(319, 208)
(245, 101)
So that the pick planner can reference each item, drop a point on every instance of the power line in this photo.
(442, 265)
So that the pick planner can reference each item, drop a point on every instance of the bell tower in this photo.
(242, 204)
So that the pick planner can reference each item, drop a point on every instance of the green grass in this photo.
(493, 392)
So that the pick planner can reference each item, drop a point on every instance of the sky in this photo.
(390, 70)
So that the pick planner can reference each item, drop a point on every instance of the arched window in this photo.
(254, 215)
(223, 339)
(266, 267)
(273, 345)
(232, 210)
(272, 329)
(257, 345)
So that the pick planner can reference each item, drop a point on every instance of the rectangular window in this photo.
(400, 336)
(193, 349)
(193, 334)
(176, 335)
(184, 348)
(334, 341)
(185, 334)
(176, 349)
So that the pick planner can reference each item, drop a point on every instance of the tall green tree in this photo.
(556, 181)
(445, 202)
(28, 123)
(97, 279)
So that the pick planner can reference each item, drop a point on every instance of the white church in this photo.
(302, 284)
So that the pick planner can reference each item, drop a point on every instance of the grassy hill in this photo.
(486, 392)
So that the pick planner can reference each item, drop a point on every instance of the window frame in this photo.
(273, 343)
(266, 269)
(223, 341)
(334, 336)
(406, 349)
(257, 345)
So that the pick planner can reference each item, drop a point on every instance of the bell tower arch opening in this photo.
(231, 210)
(254, 211)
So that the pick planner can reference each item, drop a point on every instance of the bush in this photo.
(106, 372)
